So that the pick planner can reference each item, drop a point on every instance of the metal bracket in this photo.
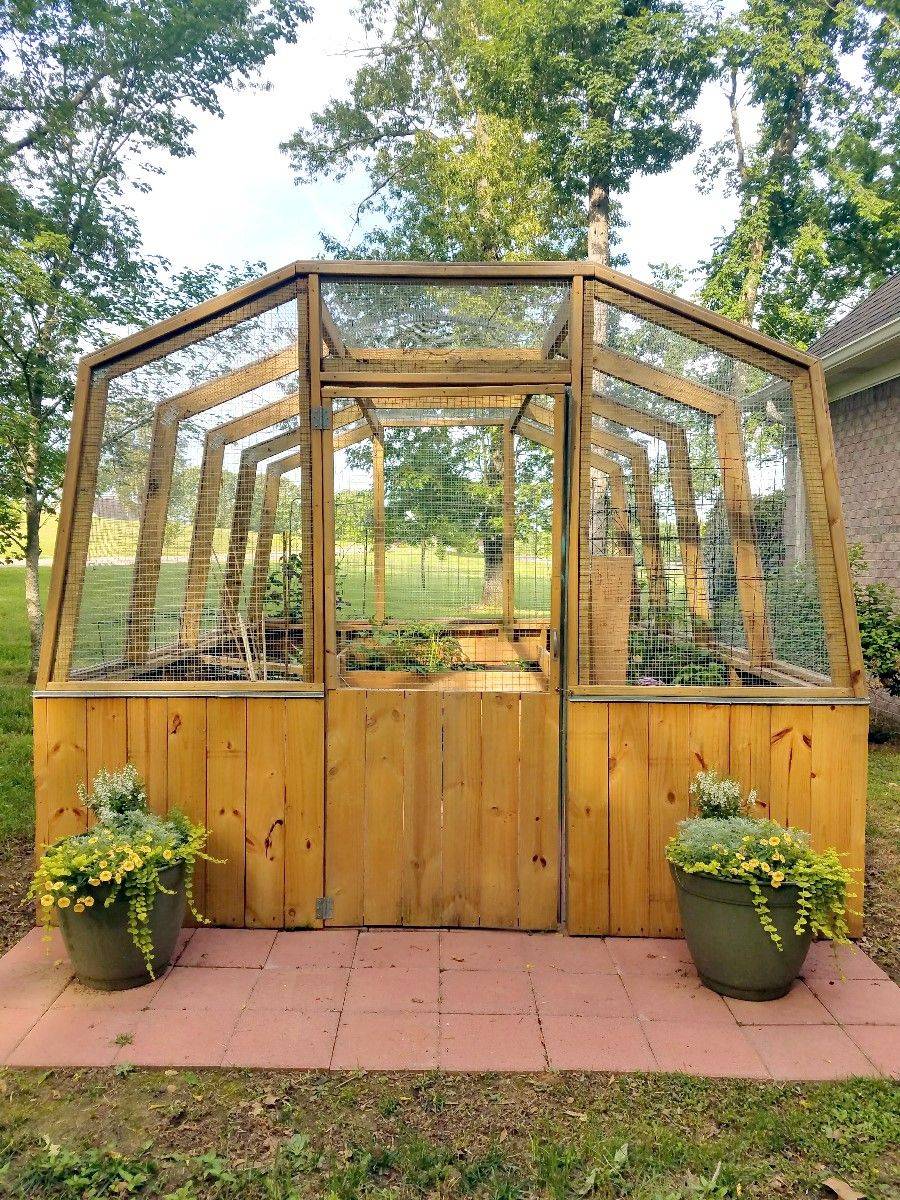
(320, 417)
(324, 908)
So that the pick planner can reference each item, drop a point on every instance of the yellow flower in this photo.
(774, 841)
(167, 854)
(752, 864)
(87, 901)
(79, 908)
(93, 881)
(64, 902)
(105, 876)
(58, 885)
(103, 863)
(46, 901)
(777, 877)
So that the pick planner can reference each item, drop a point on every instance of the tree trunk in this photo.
(598, 243)
(33, 510)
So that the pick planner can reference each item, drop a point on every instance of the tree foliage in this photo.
(816, 184)
(93, 95)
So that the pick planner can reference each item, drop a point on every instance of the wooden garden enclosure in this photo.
(430, 587)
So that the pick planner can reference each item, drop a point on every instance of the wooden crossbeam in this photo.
(331, 333)
(506, 395)
(425, 422)
(556, 335)
(351, 437)
(686, 518)
(663, 383)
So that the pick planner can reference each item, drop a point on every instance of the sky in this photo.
(235, 200)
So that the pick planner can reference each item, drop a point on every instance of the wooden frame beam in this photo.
(508, 567)
(556, 335)
(378, 527)
(683, 496)
(263, 553)
(662, 383)
(444, 396)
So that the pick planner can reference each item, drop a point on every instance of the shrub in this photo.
(123, 855)
(878, 611)
(420, 649)
(717, 797)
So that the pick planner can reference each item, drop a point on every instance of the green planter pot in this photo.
(733, 954)
(101, 948)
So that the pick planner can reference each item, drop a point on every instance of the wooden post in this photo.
(509, 530)
(378, 524)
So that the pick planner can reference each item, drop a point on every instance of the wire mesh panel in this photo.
(443, 551)
(184, 539)
(696, 563)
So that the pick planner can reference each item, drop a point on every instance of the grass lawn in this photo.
(184, 1135)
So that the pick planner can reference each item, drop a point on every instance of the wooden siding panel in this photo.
(383, 832)
(422, 884)
(264, 892)
(226, 809)
(186, 769)
(499, 802)
(66, 766)
(147, 724)
(345, 792)
(42, 782)
(791, 764)
(750, 731)
(587, 909)
(629, 823)
(671, 767)
(539, 811)
(107, 735)
(461, 835)
(709, 738)
(304, 811)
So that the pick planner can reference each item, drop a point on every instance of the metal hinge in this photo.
(320, 417)
(324, 908)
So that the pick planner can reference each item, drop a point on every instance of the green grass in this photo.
(232, 1134)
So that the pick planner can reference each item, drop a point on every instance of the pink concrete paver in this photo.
(880, 1044)
(473, 1000)
(491, 1042)
(807, 1051)
(392, 989)
(227, 948)
(205, 987)
(70, 1037)
(313, 948)
(14, 1024)
(596, 1044)
(860, 1001)
(661, 998)
(486, 992)
(299, 1040)
(557, 951)
(651, 956)
(827, 961)
(37, 947)
(558, 993)
(300, 990)
(386, 1042)
(383, 948)
(170, 1038)
(721, 1051)
(482, 950)
(798, 1007)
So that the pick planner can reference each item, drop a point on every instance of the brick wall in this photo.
(867, 440)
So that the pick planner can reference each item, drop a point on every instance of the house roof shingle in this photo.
(877, 309)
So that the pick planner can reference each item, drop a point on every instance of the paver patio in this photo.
(457, 1000)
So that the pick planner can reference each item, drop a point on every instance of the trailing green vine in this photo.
(124, 855)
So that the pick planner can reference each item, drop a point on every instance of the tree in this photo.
(91, 93)
(819, 203)
(602, 88)
(448, 180)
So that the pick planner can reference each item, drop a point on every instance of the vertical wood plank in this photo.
(499, 801)
(264, 892)
(629, 819)
(422, 809)
(66, 766)
(709, 734)
(186, 767)
(147, 736)
(461, 832)
(226, 805)
(749, 735)
(383, 836)
(671, 768)
(345, 790)
(587, 818)
(857, 732)
(539, 811)
(107, 735)
(304, 810)
(791, 764)
(42, 786)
